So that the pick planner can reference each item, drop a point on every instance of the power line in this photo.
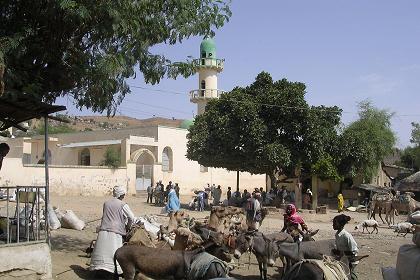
(158, 90)
(262, 104)
(159, 107)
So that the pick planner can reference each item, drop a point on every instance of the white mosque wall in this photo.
(188, 174)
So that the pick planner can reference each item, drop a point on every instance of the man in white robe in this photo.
(116, 215)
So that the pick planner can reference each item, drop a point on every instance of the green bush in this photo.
(111, 158)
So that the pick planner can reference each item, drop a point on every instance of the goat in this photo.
(368, 223)
(404, 227)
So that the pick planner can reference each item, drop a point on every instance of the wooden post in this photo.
(47, 179)
(314, 192)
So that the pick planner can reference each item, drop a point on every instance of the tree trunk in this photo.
(273, 179)
(237, 181)
(298, 193)
(2, 69)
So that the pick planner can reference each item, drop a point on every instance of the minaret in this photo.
(207, 67)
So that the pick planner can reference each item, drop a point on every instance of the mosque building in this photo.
(148, 154)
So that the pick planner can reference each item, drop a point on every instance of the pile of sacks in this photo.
(408, 262)
(66, 219)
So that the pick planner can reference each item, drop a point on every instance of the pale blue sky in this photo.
(344, 51)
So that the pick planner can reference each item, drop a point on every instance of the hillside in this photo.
(91, 123)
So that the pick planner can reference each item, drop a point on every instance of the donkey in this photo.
(262, 247)
(152, 262)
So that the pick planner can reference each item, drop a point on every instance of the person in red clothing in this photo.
(292, 221)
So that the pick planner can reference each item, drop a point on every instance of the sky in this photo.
(344, 51)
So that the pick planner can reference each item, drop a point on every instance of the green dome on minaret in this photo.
(208, 48)
(186, 124)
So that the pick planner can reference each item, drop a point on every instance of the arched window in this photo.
(85, 157)
(167, 159)
(203, 87)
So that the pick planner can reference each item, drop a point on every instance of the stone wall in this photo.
(26, 262)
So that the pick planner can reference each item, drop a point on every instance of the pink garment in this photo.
(294, 218)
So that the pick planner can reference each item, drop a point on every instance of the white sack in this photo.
(53, 221)
(70, 220)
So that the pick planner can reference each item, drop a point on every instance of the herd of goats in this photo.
(189, 248)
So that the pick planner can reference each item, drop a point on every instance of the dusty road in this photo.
(70, 261)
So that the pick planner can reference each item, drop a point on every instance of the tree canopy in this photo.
(87, 49)
(411, 155)
(366, 142)
(264, 128)
(415, 134)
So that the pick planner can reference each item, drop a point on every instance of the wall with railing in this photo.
(209, 62)
(205, 93)
(22, 215)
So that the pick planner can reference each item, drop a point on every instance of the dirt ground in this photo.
(70, 262)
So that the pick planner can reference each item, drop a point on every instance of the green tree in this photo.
(415, 134)
(56, 129)
(411, 155)
(265, 128)
(410, 158)
(111, 158)
(87, 49)
(366, 142)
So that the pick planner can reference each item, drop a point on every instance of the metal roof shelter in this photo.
(409, 184)
(373, 188)
(17, 108)
(91, 144)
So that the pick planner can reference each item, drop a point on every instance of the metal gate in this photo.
(144, 174)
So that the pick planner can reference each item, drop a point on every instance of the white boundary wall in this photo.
(64, 180)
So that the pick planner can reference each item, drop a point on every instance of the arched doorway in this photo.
(144, 160)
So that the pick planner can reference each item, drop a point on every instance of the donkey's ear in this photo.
(314, 232)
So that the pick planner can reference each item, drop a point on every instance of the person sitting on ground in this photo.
(116, 217)
(345, 243)
(4, 150)
(291, 223)
(173, 204)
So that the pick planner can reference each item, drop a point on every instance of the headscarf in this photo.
(294, 218)
(118, 191)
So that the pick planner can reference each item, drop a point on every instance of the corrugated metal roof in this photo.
(91, 143)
